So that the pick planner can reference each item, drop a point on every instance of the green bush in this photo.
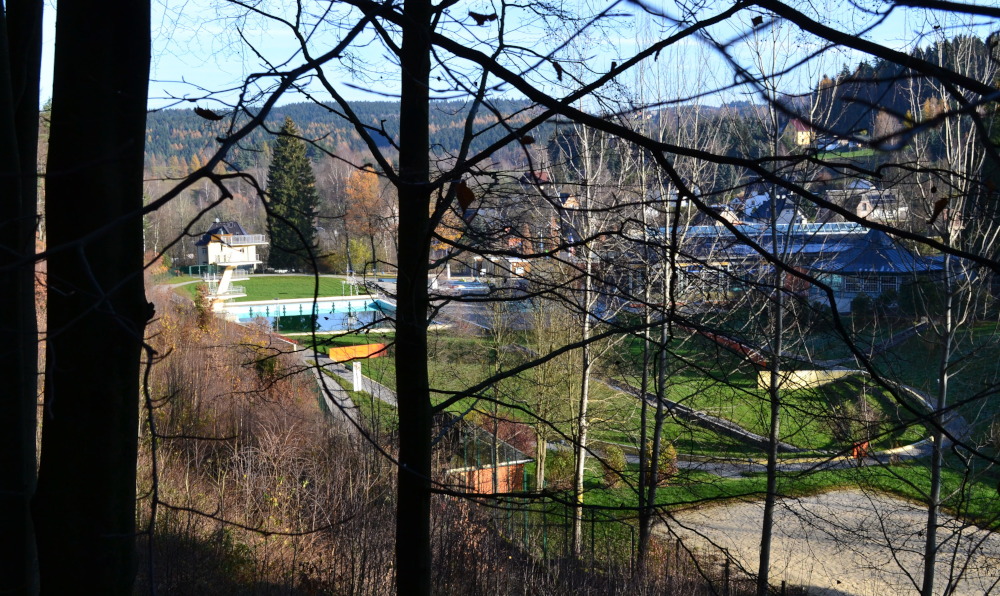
(666, 467)
(559, 470)
(862, 307)
(614, 465)
(921, 298)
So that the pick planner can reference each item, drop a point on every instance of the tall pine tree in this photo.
(292, 201)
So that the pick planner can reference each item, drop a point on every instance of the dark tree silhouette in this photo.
(292, 201)
(20, 48)
(84, 507)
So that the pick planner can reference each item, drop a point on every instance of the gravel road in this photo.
(847, 542)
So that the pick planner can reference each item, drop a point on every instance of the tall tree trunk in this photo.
(771, 494)
(582, 422)
(650, 474)
(84, 508)
(645, 508)
(937, 418)
(653, 480)
(20, 55)
(413, 535)
(774, 426)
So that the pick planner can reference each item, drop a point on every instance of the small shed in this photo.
(471, 455)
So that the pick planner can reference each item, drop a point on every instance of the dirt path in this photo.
(847, 542)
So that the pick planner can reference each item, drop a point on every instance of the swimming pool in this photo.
(326, 314)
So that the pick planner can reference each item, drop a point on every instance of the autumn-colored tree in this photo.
(448, 230)
(365, 214)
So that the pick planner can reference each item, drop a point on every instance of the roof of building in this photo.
(843, 248)
(858, 184)
(799, 125)
(876, 252)
(471, 447)
(763, 209)
(535, 177)
(221, 228)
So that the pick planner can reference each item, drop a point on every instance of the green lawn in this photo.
(829, 345)
(978, 501)
(808, 420)
(856, 154)
(976, 358)
(279, 287)
(377, 416)
(820, 419)
(462, 361)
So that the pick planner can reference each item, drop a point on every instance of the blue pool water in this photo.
(328, 315)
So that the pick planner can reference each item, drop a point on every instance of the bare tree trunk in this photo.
(413, 547)
(770, 496)
(645, 508)
(650, 474)
(20, 52)
(84, 509)
(653, 465)
(937, 453)
(581, 421)
(774, 422)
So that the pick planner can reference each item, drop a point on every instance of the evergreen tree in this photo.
(292, 201)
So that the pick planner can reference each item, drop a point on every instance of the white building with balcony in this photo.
(233, 254)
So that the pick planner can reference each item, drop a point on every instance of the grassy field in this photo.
(820, 419)
(615, 419)
(907, 480)
(281, 287)
(856, 154)
(327, 340)
(377, 416)
(809, 419)
(976, 365)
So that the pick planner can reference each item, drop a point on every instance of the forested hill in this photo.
(180, 140)
(880, 96)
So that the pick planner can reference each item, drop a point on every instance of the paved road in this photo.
(376, 389)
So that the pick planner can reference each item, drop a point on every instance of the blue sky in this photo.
(195, 47)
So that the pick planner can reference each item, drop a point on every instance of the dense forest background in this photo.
(179, 140)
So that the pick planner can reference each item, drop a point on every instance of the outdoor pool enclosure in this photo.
(326, 314)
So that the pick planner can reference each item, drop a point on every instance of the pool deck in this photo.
(280, 301)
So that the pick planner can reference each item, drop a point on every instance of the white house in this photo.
(228, 247)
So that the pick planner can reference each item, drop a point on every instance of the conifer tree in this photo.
(292, 201)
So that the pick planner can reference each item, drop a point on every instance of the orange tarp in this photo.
(356, 352)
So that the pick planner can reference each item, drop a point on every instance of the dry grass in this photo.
(256, 493)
